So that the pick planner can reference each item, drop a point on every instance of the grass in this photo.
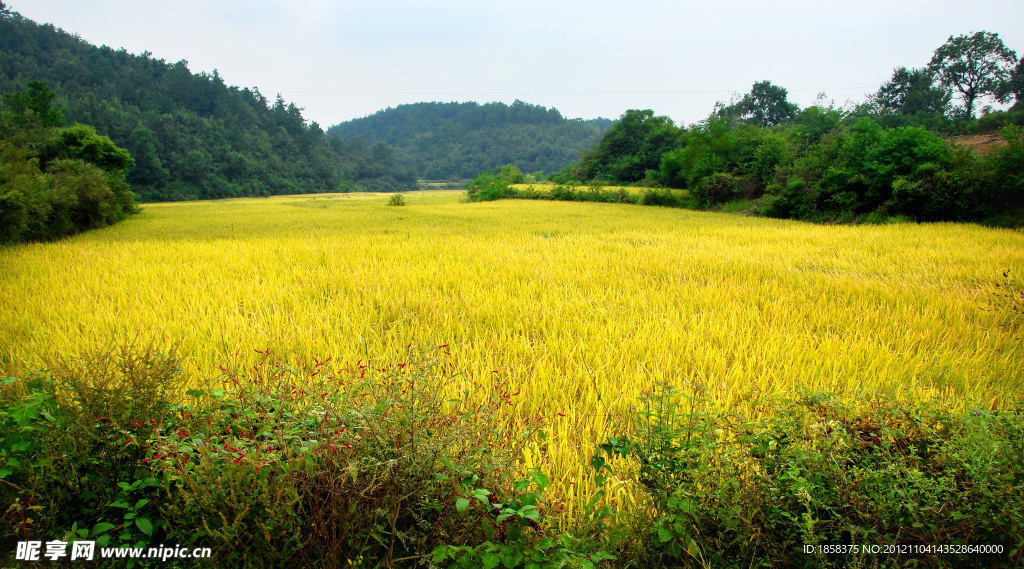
(580, 306)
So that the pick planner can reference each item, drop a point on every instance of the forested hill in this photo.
(191, 135)
(446, 141)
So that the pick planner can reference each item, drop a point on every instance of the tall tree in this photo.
(629, 149)
(912, 91)
(768, 104)
(974, 65)
(765, 105)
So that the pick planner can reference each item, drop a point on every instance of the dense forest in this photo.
(916, 149)
(191, 135)
(451, 141)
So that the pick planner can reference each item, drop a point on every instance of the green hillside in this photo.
(446, 141)
(191, 135)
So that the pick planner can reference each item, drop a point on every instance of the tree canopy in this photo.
(765, 105)
(974, 65)
(630, 149)
(913, 91)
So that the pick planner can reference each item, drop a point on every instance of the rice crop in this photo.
(580, 307)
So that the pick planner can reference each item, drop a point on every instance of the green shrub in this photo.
(812, 471)
(71, 452)
(396, 200)
(283, 464)
(55, 182)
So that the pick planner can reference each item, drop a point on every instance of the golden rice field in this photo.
(567, 301)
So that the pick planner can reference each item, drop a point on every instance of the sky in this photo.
(341, 60)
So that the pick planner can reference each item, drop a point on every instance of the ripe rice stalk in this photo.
(580, 307)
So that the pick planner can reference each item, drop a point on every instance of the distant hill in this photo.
(446, 141)
(191, 135)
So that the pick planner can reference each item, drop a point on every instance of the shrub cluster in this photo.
(385, 466)
(823, 166)
(56, 181)
(820, 166)
(812, 477)
(496, 186)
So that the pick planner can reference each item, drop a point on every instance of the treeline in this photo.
(191, 135)
(896, 154)
(56, 180)
(452, 141)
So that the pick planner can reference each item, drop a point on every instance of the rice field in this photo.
(580, 306)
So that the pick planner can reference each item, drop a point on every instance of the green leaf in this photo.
(440, 553)
(5, 472)
(142, 503)
(664, 535)
(461, 505)
(120, 504)
(491, 560)
(546, 543)
(103, 540)
(102, 527)
(541, 480)
(145, 526)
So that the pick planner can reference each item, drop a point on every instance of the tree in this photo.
(36, 101)
(765, 105)
(81, 142)
(1013, 90)
(5, 12)
(629, 149)
(912, 91)
(975, 65)
(768, 105)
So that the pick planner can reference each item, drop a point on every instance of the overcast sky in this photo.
(344, 59)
